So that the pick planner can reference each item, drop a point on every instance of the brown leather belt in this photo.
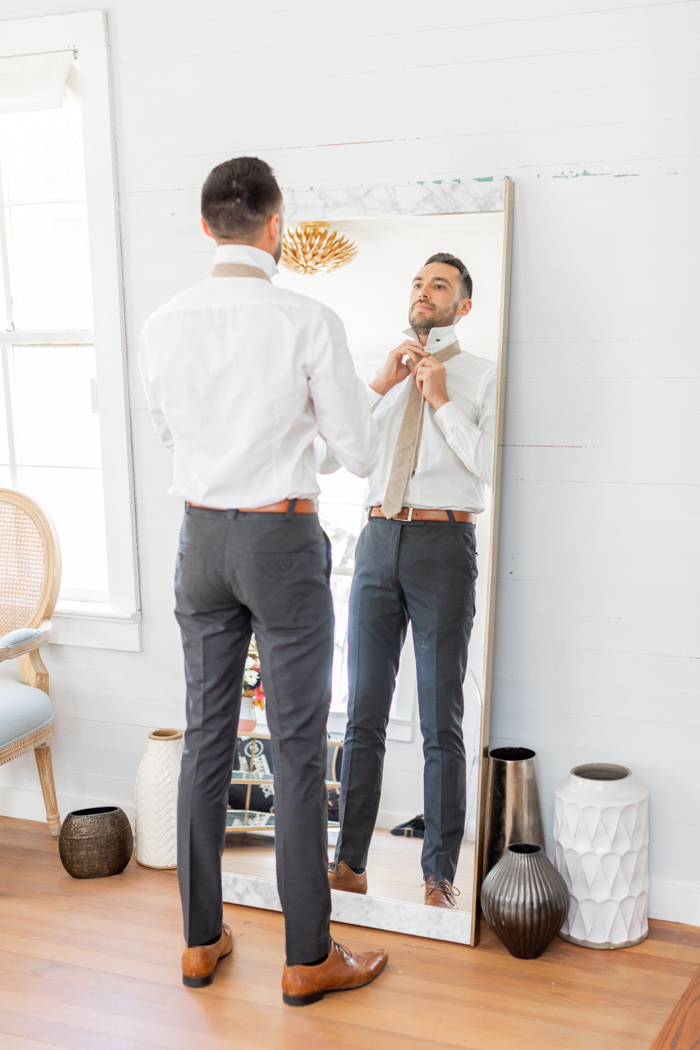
(304, 506)
(418, 514)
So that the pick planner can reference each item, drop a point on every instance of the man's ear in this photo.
(274, 226)
(464, 307)
(207, 230)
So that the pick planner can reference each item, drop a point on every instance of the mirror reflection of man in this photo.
(416, 562)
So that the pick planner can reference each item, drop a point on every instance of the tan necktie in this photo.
(239, 270)
(403, 465)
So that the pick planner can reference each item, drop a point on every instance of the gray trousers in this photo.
(424, 572)
(268, 573)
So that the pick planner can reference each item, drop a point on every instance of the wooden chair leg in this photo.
(48, 788)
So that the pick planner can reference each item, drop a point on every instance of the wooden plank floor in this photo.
(393, 868)
(682, 1030)
(94, 965)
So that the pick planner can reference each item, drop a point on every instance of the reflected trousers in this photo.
(424, 572)
(239, 573)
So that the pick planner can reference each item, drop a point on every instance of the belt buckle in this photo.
(410, 514)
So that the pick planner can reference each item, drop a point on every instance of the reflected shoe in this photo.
(198, 964)
(341, 972)
(439, 893)
(412, 829)
(341, 877)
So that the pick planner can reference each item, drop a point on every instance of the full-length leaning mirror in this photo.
(371, 295)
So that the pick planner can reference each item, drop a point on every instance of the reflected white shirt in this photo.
(240, 378)
(455, 457)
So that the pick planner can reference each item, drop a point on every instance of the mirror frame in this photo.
(493, 560)
(439, 198)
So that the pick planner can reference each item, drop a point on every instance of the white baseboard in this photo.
(391, 818)
(674, 902)
(29, 805)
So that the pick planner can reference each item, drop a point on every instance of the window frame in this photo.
(117, 624)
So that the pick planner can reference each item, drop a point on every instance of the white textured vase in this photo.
(156, 800)
(601, 838)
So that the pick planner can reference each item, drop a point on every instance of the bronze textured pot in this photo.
(525, 899)
(96, 842)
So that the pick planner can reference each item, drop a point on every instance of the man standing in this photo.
(416, 561)
(240, 377)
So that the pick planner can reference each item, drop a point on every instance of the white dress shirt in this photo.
(455, 456)
(241, 377)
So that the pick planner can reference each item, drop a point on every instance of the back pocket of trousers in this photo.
(290, 589)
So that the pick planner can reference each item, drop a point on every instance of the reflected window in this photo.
(343, 515)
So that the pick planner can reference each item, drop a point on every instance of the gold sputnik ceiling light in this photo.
(312, 248)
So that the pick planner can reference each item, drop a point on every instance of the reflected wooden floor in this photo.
(94, 964)
(393, 869)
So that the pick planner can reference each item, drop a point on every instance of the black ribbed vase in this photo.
(525, 900)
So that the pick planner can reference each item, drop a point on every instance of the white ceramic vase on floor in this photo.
(601, 838)
(156, 800)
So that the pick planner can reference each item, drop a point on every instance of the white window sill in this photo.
(96, 626)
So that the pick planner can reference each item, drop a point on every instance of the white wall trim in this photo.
(28, 804)
(96, 626)
(674, 902)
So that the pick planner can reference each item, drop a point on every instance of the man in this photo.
(416, 561)
(240, 378)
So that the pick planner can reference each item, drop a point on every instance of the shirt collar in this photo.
(247, 254)
(437, 337)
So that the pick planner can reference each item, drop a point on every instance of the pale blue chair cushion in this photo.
(21, 636)
(22, 710)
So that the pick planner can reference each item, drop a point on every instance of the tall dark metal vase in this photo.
(513, 812)
(525, 900)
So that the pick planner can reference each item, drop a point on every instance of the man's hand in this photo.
(431, 378)
(394, 370)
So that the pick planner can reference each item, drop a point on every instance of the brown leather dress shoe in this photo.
(198, 964)
(341, 877)
(439, 893)
(341, 972)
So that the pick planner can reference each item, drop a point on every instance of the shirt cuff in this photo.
(374, 397)
(449, 416)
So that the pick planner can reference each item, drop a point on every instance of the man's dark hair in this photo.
(238, 198)
(452, 260)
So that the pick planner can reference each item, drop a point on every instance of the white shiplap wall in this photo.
(591, 107)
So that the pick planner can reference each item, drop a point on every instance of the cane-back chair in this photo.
(30, 578)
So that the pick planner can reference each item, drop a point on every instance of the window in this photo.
(343, 515)
(64, 433)
(50, 439)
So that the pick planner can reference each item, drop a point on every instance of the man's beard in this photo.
(422, 322)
